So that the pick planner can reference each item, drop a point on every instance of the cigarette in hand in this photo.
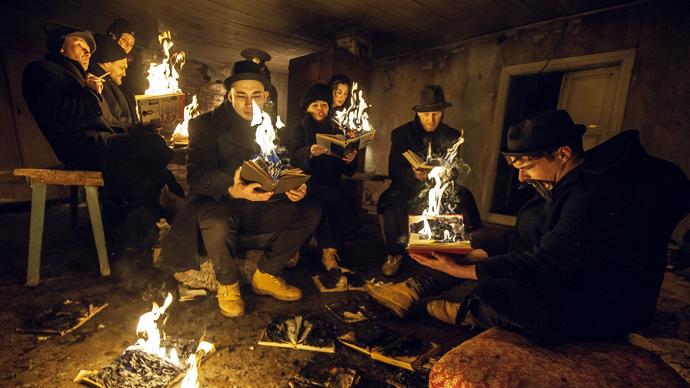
(102, 76)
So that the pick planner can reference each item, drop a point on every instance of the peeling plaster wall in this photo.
(469, 71)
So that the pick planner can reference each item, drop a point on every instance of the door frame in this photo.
(624, 59)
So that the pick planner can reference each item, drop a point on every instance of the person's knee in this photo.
(311, 212)
(214, 223)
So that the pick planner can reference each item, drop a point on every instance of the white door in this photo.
(589, 97)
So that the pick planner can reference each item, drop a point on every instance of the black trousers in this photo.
(395, 206)
(339, 214)
(279, 227)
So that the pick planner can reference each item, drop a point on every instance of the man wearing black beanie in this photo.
(67, 103)
(111, 63)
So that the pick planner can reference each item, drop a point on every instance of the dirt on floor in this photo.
(69, 270)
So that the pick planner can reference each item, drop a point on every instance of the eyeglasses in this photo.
(514, 161)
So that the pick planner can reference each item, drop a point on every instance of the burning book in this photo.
(152, 361)
(339, 279)
(280, 181)
(339, 145)
(160, 110)
(61, 319)
(353, 122)
(440, 233)
(438, 228)
(163, 103)
(419, 163)
(303, 332)
(268, 169)
(391, 347)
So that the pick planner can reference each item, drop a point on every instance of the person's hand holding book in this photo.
(297, 194)
(317, 150)
(350, 156)
(240, 189)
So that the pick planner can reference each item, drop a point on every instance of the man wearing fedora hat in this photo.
(426, 130)
(230, 215)
(589, 252)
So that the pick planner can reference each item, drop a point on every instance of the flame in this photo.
(190, 111)
(163, 76)
(191, 379)
(355, 118)
(150, 335)
(441, 177)
(265, 133)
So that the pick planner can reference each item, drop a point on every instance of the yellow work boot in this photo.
(229, 300)
(275, 286)
(329, 258)
(443, 310)
(398, 297)
(392, 265)
(293, 261)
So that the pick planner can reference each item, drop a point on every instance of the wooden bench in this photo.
(39, 179)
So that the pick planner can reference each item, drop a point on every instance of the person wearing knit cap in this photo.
(68, 105)
(226, 215)
(325, 186)
(110, 62)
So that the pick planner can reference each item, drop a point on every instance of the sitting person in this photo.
(325, 185)
(67, 104)
(589, 252)
(110, 63)
(230, 214)
(426, 132)
(122, 33)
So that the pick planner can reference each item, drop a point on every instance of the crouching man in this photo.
(229, 214)
(589, 252)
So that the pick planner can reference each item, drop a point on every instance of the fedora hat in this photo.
(246, 70)
(542, 132)
(431, 99)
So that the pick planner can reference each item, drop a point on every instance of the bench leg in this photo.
(97, 227)
(38, 211)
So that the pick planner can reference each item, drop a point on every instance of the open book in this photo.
(390, 347)
(337, 145)
(447, 234)
(163, 109)
(416, 161)
(289, 179)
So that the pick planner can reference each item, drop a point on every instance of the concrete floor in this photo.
(69, 271)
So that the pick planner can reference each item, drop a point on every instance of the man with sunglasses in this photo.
(589, 252)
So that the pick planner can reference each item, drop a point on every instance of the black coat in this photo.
(324, 169)
(118, 113)
(219, 141)
(404, 186)
(598, 247)
(67, 112)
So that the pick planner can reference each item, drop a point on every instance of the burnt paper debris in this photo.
(389, 346)
(302, 331)
(339, 279)
(136, 368)
(315, 375)
(355, 309)
(62, 318)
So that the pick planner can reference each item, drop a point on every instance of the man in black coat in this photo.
(229, 214)
(110, 62)
(67, 104)
(589, 253)
(425, 134)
